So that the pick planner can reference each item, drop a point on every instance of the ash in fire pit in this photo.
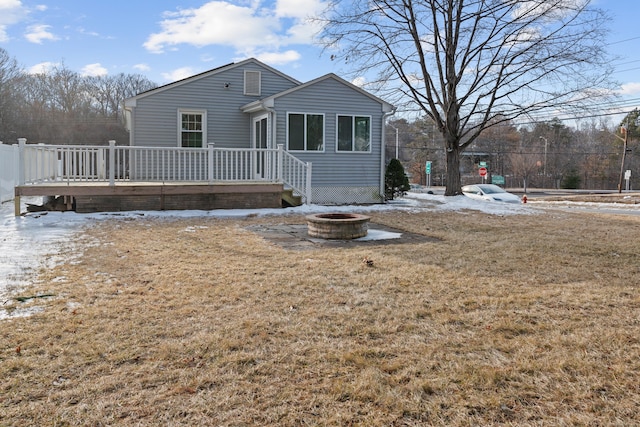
(337, 225)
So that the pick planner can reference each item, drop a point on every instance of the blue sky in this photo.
(170, 40)
(163, 40)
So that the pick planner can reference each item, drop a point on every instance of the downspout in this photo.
(129, 111)
(383, 150)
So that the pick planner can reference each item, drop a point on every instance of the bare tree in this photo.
(109, 92)
(525, 163)
(10, 75)
(470, 64)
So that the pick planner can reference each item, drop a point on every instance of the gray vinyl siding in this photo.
(330, 168)
(156, 114)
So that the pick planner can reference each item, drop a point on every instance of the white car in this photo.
(489, 192)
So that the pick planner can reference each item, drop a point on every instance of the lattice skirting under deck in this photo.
(345, 195)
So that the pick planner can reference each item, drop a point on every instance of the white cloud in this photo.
(632, 88)
(38, 33)
(178, 74)
(216, 22)
(359, 81)
(251, 29)
(42, 67)
(300, 9)
(142, 67)
(548, 10)
(11, 11)
(94, 70)
(278, 58)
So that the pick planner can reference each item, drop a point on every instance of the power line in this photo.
(624, 41)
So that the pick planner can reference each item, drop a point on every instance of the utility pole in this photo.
(624, 130)
(544, 166)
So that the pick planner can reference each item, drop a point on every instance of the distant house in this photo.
(329, 122)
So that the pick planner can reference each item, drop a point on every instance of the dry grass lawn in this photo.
(528, 320)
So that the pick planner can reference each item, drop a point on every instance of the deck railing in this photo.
(9, 175)
(113, 164)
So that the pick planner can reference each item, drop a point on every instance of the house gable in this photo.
(206, 74)
(216, 95)
(270, 100)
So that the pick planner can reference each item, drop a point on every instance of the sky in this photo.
(163, 40)
(169, 40)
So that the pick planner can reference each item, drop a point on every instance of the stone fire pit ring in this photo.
(342, 226)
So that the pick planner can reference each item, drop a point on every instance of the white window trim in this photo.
(182, 111)
(353, 133)
(324, 132)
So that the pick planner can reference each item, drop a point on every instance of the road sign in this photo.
(483, 171)
(483, 164)
(497, 179)
(427, 168)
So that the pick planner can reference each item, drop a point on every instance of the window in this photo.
(192, 128)
(252, 82)
(305, 132)
(354, 133)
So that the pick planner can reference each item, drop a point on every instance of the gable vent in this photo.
(252, 82)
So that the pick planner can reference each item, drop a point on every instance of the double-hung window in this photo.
(192, 128)
(354, 133)
(305, 132)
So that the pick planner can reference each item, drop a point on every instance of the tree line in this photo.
(546, 154)
(61, 106)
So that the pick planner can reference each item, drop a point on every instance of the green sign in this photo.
(483, 164)
(497, 179)
(427, 168)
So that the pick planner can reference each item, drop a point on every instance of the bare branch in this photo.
(469, 64)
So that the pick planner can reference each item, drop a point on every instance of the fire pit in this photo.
(337, 225)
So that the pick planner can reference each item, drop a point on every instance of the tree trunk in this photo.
(453, 172)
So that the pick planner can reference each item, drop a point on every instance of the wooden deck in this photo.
(85, 197)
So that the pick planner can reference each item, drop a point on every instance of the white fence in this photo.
(9, 174)
(113, 164)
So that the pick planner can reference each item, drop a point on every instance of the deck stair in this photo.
(289, 199)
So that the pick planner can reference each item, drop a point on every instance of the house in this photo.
(328, 122)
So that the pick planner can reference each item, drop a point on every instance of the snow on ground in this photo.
(41, 240)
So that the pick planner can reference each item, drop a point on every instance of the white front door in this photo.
(260, 143)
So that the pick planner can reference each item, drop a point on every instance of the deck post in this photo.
(210, 153)
(112, 163)
(280, 169)
(307, 188)
(22, 142)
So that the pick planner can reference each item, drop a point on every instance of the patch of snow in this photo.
(379, 235)
(41, 240)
